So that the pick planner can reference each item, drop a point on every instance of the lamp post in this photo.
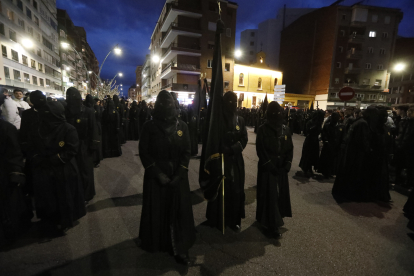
(117, 74)
(117, 51)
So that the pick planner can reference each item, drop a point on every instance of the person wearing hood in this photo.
(234, 141)
(13, 203)
(111, 146)
(120, 109)
(144, 114)
(83, 119)
(90, 103)
(134, 121)
(167, 222)
(327, 160)
(58, 191)
(274, 148)
(125, 119)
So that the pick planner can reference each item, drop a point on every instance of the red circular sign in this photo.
(346, 93)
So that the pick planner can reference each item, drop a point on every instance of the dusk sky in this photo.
(130, 24)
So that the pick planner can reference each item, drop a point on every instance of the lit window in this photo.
(241, 79)
(372, 34)
(259, 83)
(209, 63)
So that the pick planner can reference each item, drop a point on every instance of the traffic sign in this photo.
(346, 93)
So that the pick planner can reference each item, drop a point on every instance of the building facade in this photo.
(146, 79)
(337, 46)
(138, 82)
(133, 93)
(402, 74)
(182, 47)
(30, 46)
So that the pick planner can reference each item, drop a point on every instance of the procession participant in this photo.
(400, 153)
(274, 148)
(144, 114)
(235, 140)
(111, 146)
(122, 114)
(327, 159)
(167, 222)
(310, 150)
(192, 127)
(125, 118)
(120, 109)
(58, 192)
(89, 102)
(83, 119)
(134, 130)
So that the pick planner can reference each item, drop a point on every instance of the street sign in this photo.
(279, 95)
(346, 93)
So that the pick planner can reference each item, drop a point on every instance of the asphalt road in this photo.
(322, 237)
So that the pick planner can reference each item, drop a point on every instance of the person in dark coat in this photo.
(235, 140)
(89, 102)
(122, 114)
(119, 107)
(15, 214)
(274, 148)
(327, 160)
(83, 119)
(167, 222)
(98, 155)
(125, 128)
(58, 191)
(134, 122)
(401, 156)
(193, 128)
(310, 150)
(144, 114)
(111, 146)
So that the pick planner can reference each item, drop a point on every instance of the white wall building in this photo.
(29, 46)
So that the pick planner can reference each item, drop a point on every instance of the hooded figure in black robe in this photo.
(310, 150)
(144, 114)
(89, 102)
(13, 203)
(58, 192)
(235, 140)
(120, 109)
(111, 146)
(274, 147)
(327, 160)
(83, 119)
(193, 127)
(134, 122)
(98, 155)
(167, 222)
(124, 119)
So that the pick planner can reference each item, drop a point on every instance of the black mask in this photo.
(74, 101)
(165, 107)
(274, 114)
(89, 102)
(38, 99)
(52, 115)
(230, 109)
(334, 118)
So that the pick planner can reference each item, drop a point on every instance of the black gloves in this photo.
(161, 177)
(179, 174)
(271, 168)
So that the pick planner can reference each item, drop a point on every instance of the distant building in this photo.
(138, 81)
(182, 46)
(402, 79)
(30, 46)
(337, 46)
(146, 79)
(267, 37)
(132, 92)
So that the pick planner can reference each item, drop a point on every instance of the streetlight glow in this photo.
(27, 43)
(117, 50)
(64, 45)
(67, 69)
(121, 84)
(120, 74)
(399, 67)
(89, 72)
(238, 53)
(155, 58)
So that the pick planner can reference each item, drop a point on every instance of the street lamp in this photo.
(67, 69)
(399, 67)
(117, 51)
(28, 43)
(238, 53)
(155, 58)
(117, 74)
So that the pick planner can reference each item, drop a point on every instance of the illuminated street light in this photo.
(155, 58)
(117, 50)
(27, 43)
(89, 72)
(64, 45)
(238, 53)
(121, 84)
(399, 67)
(67, 69)
(120, 74)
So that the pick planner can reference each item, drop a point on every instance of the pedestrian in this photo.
(10, 109)
(235, 140)
(83, 119)
(274, 148)
(167, 222)
(327, 159)
(111, 146)
(401, 156)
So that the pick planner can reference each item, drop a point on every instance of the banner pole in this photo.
(222, 187)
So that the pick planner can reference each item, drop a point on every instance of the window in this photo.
(365, 81)
(382, 51)
(251, 43)
(251, 53)
(16, 75)
(372, 34)
(4, 50)
(381, 97)
(210, 45)
(259, 83)
(20, 4)
(47, 43)
(226, 84)
(275, 82)
(336, 80)
(21, 22)
(24, 60)
(34, 80)
(36, 20)
(241, 79)
(367, 65)
(212, 26)
(338, 65)
(47, 82)
(370, 50)
(2, 29)
(334, 95)
(342, 32)
(15, 55)
(380, 67)
(341, 49)
(40, 67)
(377, 82)
(33, 63)
(374, 18)
(384, 35)
(252, 34)
(344, 17)
(29, 13)
(209, 63)
(30, 30)
(6, 72)
(39, 52)
(12, 35)
(62, 33)
(26, 77)
(35, 4)
(10, 15)
(228, 32)
(387, 19)
(227, 67)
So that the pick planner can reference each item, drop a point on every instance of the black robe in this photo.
(234, 196)
(193, 128)
(111, 146)
(310, 150)
(167, 222)
(58, 191)
(273, 198)
(125, 127)
(84, 122)
(134, 123)
(327, 160)
(98, 156)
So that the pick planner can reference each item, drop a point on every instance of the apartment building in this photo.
(182, 46)
(337, 46)
(30, 46)
(146, 79)
(402, 73)
(79, 64)
(132, 93)
(138, 81)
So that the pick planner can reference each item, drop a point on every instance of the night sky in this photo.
(130, 24)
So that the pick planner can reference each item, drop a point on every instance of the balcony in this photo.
(174, 30)
(173, 50)
(354, 54)
(165, 87)
(173, 9)
(174, 68)
(353, 70)
(355, 38)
